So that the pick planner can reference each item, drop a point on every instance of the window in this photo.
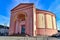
(40, 21)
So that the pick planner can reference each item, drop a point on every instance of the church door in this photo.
(22, 29)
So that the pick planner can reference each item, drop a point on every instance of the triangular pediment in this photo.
(22, 5)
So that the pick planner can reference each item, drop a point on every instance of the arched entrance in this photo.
(21, 17)
(21, 27)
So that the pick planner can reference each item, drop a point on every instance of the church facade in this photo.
(26, 19)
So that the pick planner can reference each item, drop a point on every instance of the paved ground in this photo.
(27, 38)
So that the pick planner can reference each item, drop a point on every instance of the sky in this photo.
(49, 5)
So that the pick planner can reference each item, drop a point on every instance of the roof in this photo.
(23, 4)
(45, 11)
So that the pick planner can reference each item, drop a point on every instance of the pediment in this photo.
(22, 5)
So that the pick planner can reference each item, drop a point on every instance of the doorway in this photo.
(23, 30)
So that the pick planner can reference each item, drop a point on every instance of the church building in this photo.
(26, 19)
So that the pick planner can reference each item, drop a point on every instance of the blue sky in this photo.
(49, 5)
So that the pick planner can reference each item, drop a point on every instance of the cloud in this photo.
(4, 20)
(55, 8)
(58, 24)
(54, 5)
(22, 1)
(57, 11)
(36, 2)
(4, 17)
(16, 2)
